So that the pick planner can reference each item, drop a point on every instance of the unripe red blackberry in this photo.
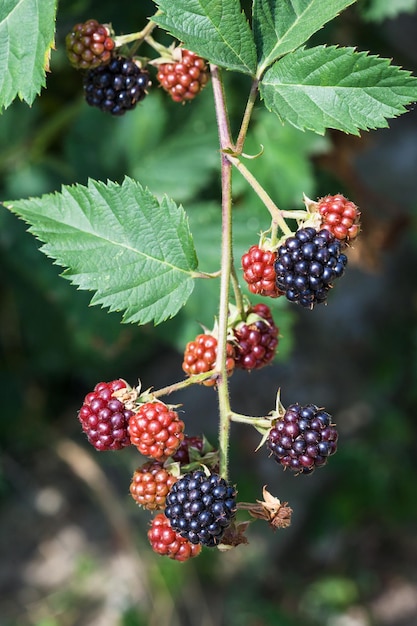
(200, 356)
(156, 430)
(340, 216)
(307, 264)
(201, 507)
(104, 418)
(89, 45)
(150, 484)
(259, 271)
(185, 78)
(256, 342)
(303, 438)
(116, 87)
(165, 541)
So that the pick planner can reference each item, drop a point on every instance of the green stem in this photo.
(258, 422)
(226, 268)
(182, 384)
(246, 116)
(275, 212)
(139, 36)
(237, 291)
(158, 47)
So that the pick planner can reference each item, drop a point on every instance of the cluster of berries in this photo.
(304, 265)
(194, 505)
(112, 420)
(116, 83)
(252, 344)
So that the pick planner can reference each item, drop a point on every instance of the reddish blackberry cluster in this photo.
(89, 45)
(307, 264)
(340, 216)
(165, 541)
(150, 484)
(116, 87)
(184, 79)
(200, 356)
(256, 343)
(182, 455)
(259, 272)
(156, 430)
(303, 438)
(104, 418)
(201, 507)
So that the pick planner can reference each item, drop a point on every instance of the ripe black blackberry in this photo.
(303, 438)
(201, 507)
(307, 264)
(116, 87)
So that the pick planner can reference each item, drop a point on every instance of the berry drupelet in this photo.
(200, 356)
(116, 87)
(104, 418)
(183, 79)
(89, 45)
(165, 541)
(150, 484)
(201, 507)
(256, 342)
(182, 455)
(303, 438)
(259, 271)
(156, 430)
(340, 216)
(307, 264)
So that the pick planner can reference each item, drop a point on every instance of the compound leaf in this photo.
(134, 251)
(283, 26)
(330, 87)
(215, 29)
(26, 37)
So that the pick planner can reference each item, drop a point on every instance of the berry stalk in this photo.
(275, 212)
(226, 268)
(246, 117)
(140, 36)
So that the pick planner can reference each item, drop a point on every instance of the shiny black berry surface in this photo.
(116, 87)
(201, 507)
(303, 438)
(307, 264)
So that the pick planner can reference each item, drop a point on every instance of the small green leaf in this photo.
(26, 37)
(136, 252)
(330, 87)
(215, 29)
(283, 26)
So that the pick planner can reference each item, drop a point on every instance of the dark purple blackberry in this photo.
(303, 438)
(201, 507)
(307, 264)
(116, 87)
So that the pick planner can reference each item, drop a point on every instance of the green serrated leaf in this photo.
(215, 29)
(330, 87)
(283, 26)
(134, 251)
(26, 37)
